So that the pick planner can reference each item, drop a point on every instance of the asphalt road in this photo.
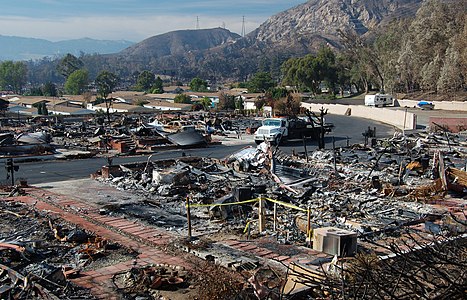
(61, 170)
(347, 129)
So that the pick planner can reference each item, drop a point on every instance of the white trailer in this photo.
(379, 100)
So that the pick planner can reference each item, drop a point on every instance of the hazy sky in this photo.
(132, 20)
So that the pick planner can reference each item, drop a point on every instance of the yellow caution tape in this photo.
(286, 204)
(249, 201)
(223, 204)
(246, 226)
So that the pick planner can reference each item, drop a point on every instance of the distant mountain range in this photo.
(23, 48)
(180, 42)
(218, 54)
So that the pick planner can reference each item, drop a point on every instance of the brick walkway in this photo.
(145, 240)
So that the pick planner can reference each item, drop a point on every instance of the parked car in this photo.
(425, 105)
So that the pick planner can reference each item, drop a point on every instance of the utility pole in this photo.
(197, 22)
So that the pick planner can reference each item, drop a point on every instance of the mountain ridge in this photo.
(300, 30)
(26, 48)
(180, 41)
(218, 54)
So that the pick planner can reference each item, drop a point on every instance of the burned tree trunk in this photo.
(320, 123)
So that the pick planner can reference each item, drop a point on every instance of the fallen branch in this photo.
(11, 213)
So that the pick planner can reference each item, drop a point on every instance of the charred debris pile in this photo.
(402, 181)
(397, 205)
(41, 254)
(78, 137)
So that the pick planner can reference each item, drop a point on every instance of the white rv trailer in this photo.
(379, 100)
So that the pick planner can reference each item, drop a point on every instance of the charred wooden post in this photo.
(308, 226)
(275, 217)
(320, 123)
(261, 217)
(188, 216)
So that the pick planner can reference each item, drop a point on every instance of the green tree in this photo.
(182, 98)
(145, 81)
(42, 109)
(77, 82)
(278, 93)
(158, 86)
(226, 102)
(327, 67)
(343, 67)
(308, 72)
(383, 48)
(35, 91)
(260, 83)
(303, 73)
(49, 89)
(239, 103)
(13, 76)
(69, 64)
(106, 83)
(206, 102)
(289, 72)
(198, 85)
(365, 58)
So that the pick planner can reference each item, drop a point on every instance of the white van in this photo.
(379, 100)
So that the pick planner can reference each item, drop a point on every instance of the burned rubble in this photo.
(149, 280)
(289, 224)
(82, 137)
(347, 182)
(39, 254)
(371, 195)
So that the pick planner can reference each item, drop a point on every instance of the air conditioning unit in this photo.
(335, 241)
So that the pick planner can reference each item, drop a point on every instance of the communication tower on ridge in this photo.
(243, 26)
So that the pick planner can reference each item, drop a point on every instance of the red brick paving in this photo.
(231, 242)
(121, 230)
(282, 258)
(263, 252)
(130, 226)
(272, 255)
(100, 281)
